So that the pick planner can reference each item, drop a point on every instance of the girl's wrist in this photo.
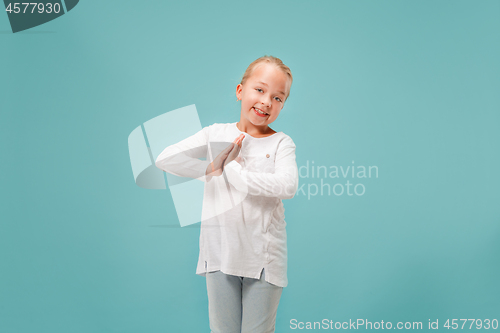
(211, 171)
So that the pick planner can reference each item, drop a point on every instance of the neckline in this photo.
(253, 137)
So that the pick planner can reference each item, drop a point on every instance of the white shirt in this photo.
(243, 221)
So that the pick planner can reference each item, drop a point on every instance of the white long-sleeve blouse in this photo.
(243, 221)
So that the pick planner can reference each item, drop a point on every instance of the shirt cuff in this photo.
(203, 166)
(234, 166)
(235, 176)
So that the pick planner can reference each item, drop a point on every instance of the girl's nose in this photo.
(267, 101)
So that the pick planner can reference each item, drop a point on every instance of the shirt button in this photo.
(267, 155)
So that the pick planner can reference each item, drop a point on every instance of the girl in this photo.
(243, 252)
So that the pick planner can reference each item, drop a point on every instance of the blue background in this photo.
(411, 87)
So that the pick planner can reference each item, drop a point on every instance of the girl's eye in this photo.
(259, 90)
(278, 99)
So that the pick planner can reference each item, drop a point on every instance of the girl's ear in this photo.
(239, 88)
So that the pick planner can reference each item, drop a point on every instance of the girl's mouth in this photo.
(259, 112)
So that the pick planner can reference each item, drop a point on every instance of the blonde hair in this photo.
(270, 60)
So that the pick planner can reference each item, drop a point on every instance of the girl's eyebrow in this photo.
(281, 92)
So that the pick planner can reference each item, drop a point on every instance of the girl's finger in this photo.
(241, 137)
(238, 138)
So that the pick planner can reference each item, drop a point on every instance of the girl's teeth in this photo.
(259, 111)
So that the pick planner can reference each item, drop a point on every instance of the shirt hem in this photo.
(269, 279)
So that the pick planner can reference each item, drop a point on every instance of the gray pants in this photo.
(240, 304)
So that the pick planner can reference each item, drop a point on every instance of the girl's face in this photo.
(263, 92)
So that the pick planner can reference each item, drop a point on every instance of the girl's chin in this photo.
(258, 121)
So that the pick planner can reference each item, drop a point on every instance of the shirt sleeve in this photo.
(282, 184)
(183, 158)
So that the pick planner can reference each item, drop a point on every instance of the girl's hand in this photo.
(235, 151)
(216, 168)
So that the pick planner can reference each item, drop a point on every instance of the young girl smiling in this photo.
(243, 251)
